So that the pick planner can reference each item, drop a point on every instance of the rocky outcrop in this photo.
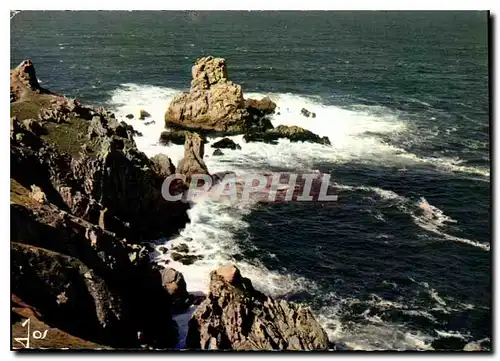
(235, 316)
(215, 104)
(226, 143)
(24, 83)
(194, 151)
(294, 133)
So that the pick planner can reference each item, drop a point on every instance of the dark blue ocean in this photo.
(402, 260)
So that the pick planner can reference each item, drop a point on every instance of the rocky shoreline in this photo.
(85, 202)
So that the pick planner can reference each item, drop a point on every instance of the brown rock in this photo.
(192, 163)
(230, 274)
(235, 316)
(214, 103)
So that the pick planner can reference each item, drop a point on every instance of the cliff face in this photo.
(82, 198)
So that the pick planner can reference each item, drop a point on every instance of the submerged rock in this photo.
(143, 114)
(293, 133)
(24, 83)
(185, 259)
(182, 248)
(226, 143)
(235, 316)
(218, 152)
(305, 112)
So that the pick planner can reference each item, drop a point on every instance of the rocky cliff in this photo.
(82, 199)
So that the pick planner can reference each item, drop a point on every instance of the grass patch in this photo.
(31, 107)
(20, 194)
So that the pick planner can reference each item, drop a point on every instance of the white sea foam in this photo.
(211, 232)
(423, 214)
(433, 220)
(373, 333)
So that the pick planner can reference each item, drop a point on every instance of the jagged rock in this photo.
(192, 163)
(163, 165)
(143, 114)
(293, 133)
(108, 293)
(174, 283)
(218, 152)
(226, 143)
(214, 103)
(235, 316)
(150, 122)
(307, 113)
(23, 82)
(262, 107)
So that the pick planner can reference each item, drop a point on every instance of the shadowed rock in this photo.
(293, 133)
(226, 143)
